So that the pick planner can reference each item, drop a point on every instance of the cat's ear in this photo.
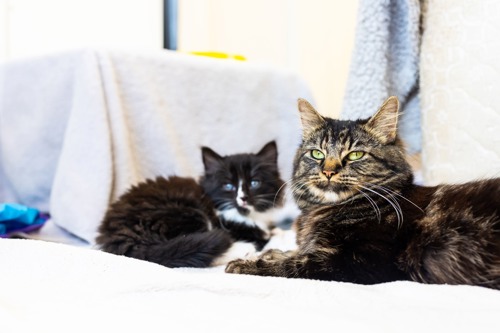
(211, 159)
(384, 124)
(269, 152)
(309, 117)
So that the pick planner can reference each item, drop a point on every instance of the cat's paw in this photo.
(267, 264)
(274, 255)
(241, 266)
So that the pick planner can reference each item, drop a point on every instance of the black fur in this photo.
(175, 221)
(167, 221)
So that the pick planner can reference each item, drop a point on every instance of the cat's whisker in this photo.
(282, 187)
(386, 189)
(394, 204)
(374, 205)
(295, 190)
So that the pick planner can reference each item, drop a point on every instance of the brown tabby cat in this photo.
(364, 221)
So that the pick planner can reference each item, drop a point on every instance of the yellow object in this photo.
(219, 55)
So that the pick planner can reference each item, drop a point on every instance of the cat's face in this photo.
(341, 159)
(243, 182)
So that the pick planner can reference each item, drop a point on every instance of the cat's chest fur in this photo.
(351, 228)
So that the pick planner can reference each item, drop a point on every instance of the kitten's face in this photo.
(341, 159)
(245, 182)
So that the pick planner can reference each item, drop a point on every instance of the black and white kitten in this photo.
(177, 222)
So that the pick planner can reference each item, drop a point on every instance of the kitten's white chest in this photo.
(263, 220)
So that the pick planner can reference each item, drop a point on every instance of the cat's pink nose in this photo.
(328, 173)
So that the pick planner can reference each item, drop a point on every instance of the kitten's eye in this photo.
(317, 154)
(255, 184)
(355, 155)
(228, 187)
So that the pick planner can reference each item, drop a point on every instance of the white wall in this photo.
(3, 30)
(311, 37)
(314, 38)
(34, 27)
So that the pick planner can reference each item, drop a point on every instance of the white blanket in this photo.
(78, 129)
(49, 287)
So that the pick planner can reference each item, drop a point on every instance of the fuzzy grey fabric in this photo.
(385, 62)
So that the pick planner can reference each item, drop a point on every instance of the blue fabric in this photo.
(16, 217)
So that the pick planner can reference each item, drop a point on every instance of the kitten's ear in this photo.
(211, 159)
(384, 124)
(269, 152)
(310, 118)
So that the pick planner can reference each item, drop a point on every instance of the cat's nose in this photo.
(328, 173)
(244, 199)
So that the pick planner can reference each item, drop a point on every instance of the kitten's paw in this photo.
(240, 266)
(236, 251)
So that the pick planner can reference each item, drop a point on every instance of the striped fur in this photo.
(364, 221)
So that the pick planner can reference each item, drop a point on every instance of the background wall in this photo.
(313, 38)
(33, 27)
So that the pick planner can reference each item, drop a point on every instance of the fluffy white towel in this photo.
(460, 81)
(385, 62)
(49, 287)
(78, 129)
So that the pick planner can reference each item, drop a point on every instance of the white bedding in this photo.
(49, 287)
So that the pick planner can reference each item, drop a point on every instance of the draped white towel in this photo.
(77, 129)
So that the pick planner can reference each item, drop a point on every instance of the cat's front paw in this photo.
(274, 255)
(241, 266)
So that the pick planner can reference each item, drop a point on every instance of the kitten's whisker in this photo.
(221, 222)
(224, 206)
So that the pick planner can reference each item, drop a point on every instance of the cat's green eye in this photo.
(355, 155)
(317, 154)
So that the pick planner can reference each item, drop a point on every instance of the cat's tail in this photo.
(192, 250)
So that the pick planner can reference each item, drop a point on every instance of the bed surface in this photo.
(51, 287)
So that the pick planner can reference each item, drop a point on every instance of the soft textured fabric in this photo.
(77, 129)
(460, 84)
(385, 62)
(50, 287)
